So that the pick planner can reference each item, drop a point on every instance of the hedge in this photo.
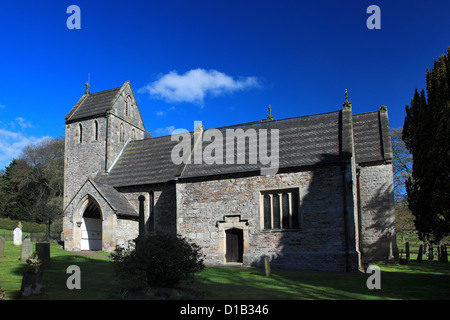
(30, 227)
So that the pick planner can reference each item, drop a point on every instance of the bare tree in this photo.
(402, 164)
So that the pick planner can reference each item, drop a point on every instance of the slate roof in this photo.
(93, 104)
(367, 136)
(117, 200)
(143, 162)
(304, 141)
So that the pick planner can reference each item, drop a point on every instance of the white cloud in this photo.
(195, 84)
(164, 131)
(163, 113)
(2, 106)
(23, 123)
(13, 142)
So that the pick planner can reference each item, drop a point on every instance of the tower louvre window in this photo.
(121, 134)
(80, 133)
(95, 130)
(127, 106)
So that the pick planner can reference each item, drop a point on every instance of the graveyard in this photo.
(425, 280)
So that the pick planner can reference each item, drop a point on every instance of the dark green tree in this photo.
(31, 187)
(426, 133)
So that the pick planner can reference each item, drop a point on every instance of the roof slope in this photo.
(117, 200)
(93, 104)
(368, 137)
(303, 141)
(143, 162)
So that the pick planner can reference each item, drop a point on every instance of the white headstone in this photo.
(17, 236)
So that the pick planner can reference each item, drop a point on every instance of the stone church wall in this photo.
(164, 205)
(85, 159)
(203, 207)
(377, 213)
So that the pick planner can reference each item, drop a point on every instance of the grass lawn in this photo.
(429, 280)
(97, 278)
(426, 280)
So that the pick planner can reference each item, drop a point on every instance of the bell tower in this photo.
(97, 128)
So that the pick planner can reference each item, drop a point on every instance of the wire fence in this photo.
(33, 236)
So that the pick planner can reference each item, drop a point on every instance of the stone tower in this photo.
(97, 129)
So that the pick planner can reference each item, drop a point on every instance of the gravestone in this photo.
(2, 247)
(17, 236)
(267, 266)
(31, 284)
(26, 250)
(43, 250)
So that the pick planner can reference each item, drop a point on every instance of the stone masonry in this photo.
(329, 207)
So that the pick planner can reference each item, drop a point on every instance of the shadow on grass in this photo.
(427, 280)
(96, 277)
(223, 283)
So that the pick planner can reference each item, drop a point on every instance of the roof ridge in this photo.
(104, 91)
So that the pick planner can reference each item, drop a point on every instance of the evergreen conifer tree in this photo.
(426, 133)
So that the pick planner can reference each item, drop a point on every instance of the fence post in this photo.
(430, 253)
(407, 252)
(419, 255)
(444, 257)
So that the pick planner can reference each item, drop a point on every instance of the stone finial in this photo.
(87, 88)
(383, 108)
(269, 117)
(346, 104)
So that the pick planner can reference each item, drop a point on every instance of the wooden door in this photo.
(234, 245)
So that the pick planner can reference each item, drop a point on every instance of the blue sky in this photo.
(219, 62)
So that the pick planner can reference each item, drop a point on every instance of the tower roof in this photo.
(93, 104)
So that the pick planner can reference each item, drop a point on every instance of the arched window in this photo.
(95, 130)
(132, 134)
(128, 106)
(80, 133)
(121, 134)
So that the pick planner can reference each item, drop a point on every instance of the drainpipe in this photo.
(344, 199)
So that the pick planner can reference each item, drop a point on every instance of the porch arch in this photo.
(89, 222)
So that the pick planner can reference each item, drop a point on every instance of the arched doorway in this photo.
(234, 245)
(91, 227)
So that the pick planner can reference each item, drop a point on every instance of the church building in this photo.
(329, 204)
